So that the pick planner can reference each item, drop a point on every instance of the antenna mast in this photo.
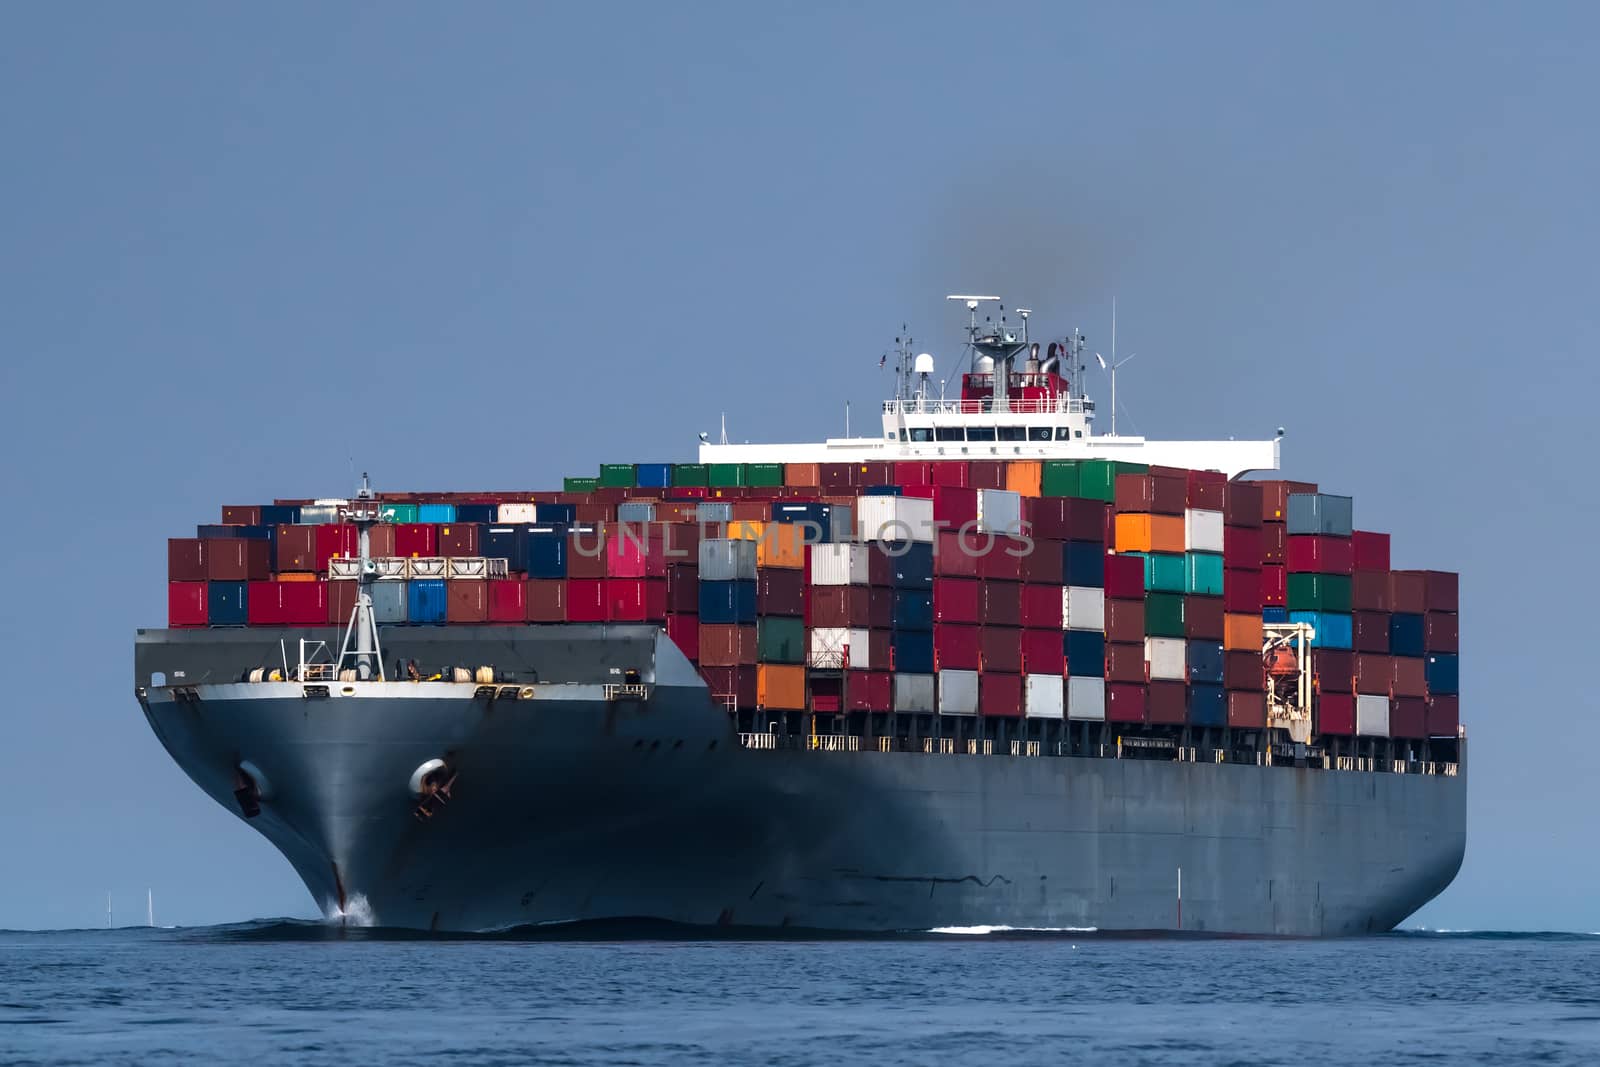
(366, 657)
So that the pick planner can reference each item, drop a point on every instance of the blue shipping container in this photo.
(548, 513)
(426, 600)
(509, 543)
(482, 513)
(1274, 614)
(1334, 629)
(226, 603)
(546, 551)
(279, 514)
(882, 490)
(913, 651)
(1208, 705)
(1083, 563)
(726, 603)
(1205, 662)
(237, 533)
(912, 563)
(1444, 674)
(436, 513)
(652, 475)
(1319, 513)
(389, 602)
(1086, 652)
(1405, 635)
(913, 610)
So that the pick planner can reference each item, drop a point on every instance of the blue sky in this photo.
(245, 247)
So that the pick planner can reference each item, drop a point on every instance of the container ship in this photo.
(986, 668)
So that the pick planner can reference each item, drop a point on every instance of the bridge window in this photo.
(1039, 433)
(1063, 433)
(921, 433)
(1012, 433)
(948, 433)
(980, 433)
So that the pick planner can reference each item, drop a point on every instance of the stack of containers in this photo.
(779, 610)
(898, 533)
(1204, 626)
(1047, 607)
(1372, 677)
(1319, 560)
(1242, 558)
(726, 609)
(1151, 526)
(1441, 641)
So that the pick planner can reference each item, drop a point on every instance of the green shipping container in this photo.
(1163, 614)
(1166, 572)
(1203, 573)
(397, 513)
(691, 474)
(1097, 478)
(780, 640)
(764, 475)
(726, 475)
(617, 475)
(1059, 478)
(580, 485)
(1319, 592)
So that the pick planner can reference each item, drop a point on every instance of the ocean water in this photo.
(309, 993)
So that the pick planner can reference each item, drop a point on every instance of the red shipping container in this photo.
(1374, 674)
(1274, 587)
(655, 599)
(547, 600)
(875, 472)
(948, 472)
(1124, 577)
(1408, 718)
(1369, 591)
(1371, 631)
(1241, 590)
(727, 645)
(735, 685)
(342, 601)
(999, 695)
(341, 540)
(296, 549)
(508, 600)
(956, 555)
(1003, 560)
(839, 606)
(1043, 651)
(1203, 618)
(836, 476)
(986, 474)
(586, 600)
(299, 603)
(455, 539)
(186, 604)
(780, 591)
(416, 539)
(1242, 504)
(1066, 518)
(380, 541)
(955, 647)
(1369, 551)
(1133, 493)
(1243, 670)
(1441, 590)
(913, 472)
(683, 589)
(1274, 542)
(186, 559)
(1243, 548)
(625, 599)
(1167, 703)
(467, 600)
(1043, 565)
(684, 631)
(586, 553)
(625, 551)
(1041, 606)
(1125, 702)
(1410, 676)
(1441, 632)
(238, 560)
(671, 544)
(999, 649)
(954, 600)
(241, 515)
(1247, 711)
(1207, 491)
(880, 608)
(694, 492)
(1124, 662)
(262, 604)
(1319, 555)
(1444, 716)
(750, 511)
(1125, 621)
(1002, 604)
(868, 691)
(1275, 498)
(1336, 714)
(1407, 592)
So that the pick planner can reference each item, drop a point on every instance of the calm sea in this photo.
(310, 994)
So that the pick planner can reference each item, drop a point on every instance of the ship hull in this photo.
(571, 806)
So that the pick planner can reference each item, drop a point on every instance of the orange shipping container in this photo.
(783, 545)
(781, 686)
(802, 474)
(1241, 632)
(297, 576)
(746, 530)
(1022, 476)
(1149, 533)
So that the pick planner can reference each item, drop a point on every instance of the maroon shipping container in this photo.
(1125, 621)
(836, 476)
(671, 544)
(1132, 493)
(1274, 542)
(1336, 714)
(186, 559)
(868, 691)
(1407, 592)
(731, 684)
(415, 539)
(1242, 548)
(586, 600)
(880, 609)
(999, 695)
(1441, 632)
(780, 591)
(913, 472)
(1247, 711)
(1169, 494)
(238, 560)
(1369, 551)
(683, 589)
(1066, 518)
(1003, 559)
(1241, 504)
(1369, 591)
(341, 540)
(467, 600)
(1371, 631)
(626, 599)
(297, 549)
(956, 647)
(241, 515)
(1408, 718)
(1275, 498)
(1125, 702)
(1335, 670)
(1410, 676)
(1207, 491)
(508, 599)
(1124, 577)
(750, 511)
(586, 554)
(1274, 587)
(342, 601)
(1041, 606)
(1043, 652)
(455, 539)
(1315, 554)
(986, 473)
(727, 645)
(1241, 590)
(1125, 662)
(1167, 703)
(1441, 590)
(840, 605)
(1243, 671)
(875, 472)
(1444, 716)
(1000, 649)
(1203, 618)
(684, 631)
(1043, 565)
(1374, 674)
(954, 600)
(955, 555)
(186, 604)
(1002, 604)
(948, 472)
(380, 540)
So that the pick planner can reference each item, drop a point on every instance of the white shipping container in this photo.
(839, 564)
(427, 567)
(1086, 699)
(1000, 511)
(1166, 656)
(725, 560)
(958, 692)
(509, 513)
(1083, 607)
(913, 692)
(1045, 696)
(831, 644)
(318, 513)
(1372, 716)
(636, 511)
(894, 518)
(713, 511)
(1202, 530)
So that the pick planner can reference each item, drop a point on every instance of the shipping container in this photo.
(1043, 652)
(1165, 572)
(1045, 696)
(1320, 555)
(1242, 504)
(839, 564)
(427, 600)
(1443, 715)
(1247, 711)
(1000, 649)
(1083, 607)
(1058, 478)
(1443, 674)
(508, 600)
(1441, 632)
(725, 559)
(1208, 705)
(1203, 573)
(1002, 604)
(390, 602)
(393, 514)
(616, 475)
(1086, 653)
(240, 560)
(731, 686)
(186, 560)
(227, 603)
(1408, 718)
(781, 686)
(1369, 551)
(1370, 632)
(1242, 632)
(1319, 513)
(894, 518)
(1369, 591)
(586, 600)
(1336, 714)
(958, 692)
(241, 515)
(727, 645)
(1166, 703)
(999, 695)
(186, 604)
(999, 511)
(1067, 518)
(1123, 576)
(1000, 558)
(466, 602)
(1086, 698)
(1163, 615)
(986, 474)
(1441, 591)
(1372, 716)
(914, 693)
(1274, 587)
(1205, 661)
(1203, 531)
(1407, 634)
(1024, 477)
(1148, 533)
(1204, 617)
(1318, 592)
(1125, 621)
(1274, 543)
(1241, 591)
(455, 540)
(911, 651)
(725, 603)
(504, 542)
(1126, 702)
(1125, 662)
(1243, 670)
(1243, 548)
(1332, 629)
(547, 600)
(1410, 676)
(653, 475)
